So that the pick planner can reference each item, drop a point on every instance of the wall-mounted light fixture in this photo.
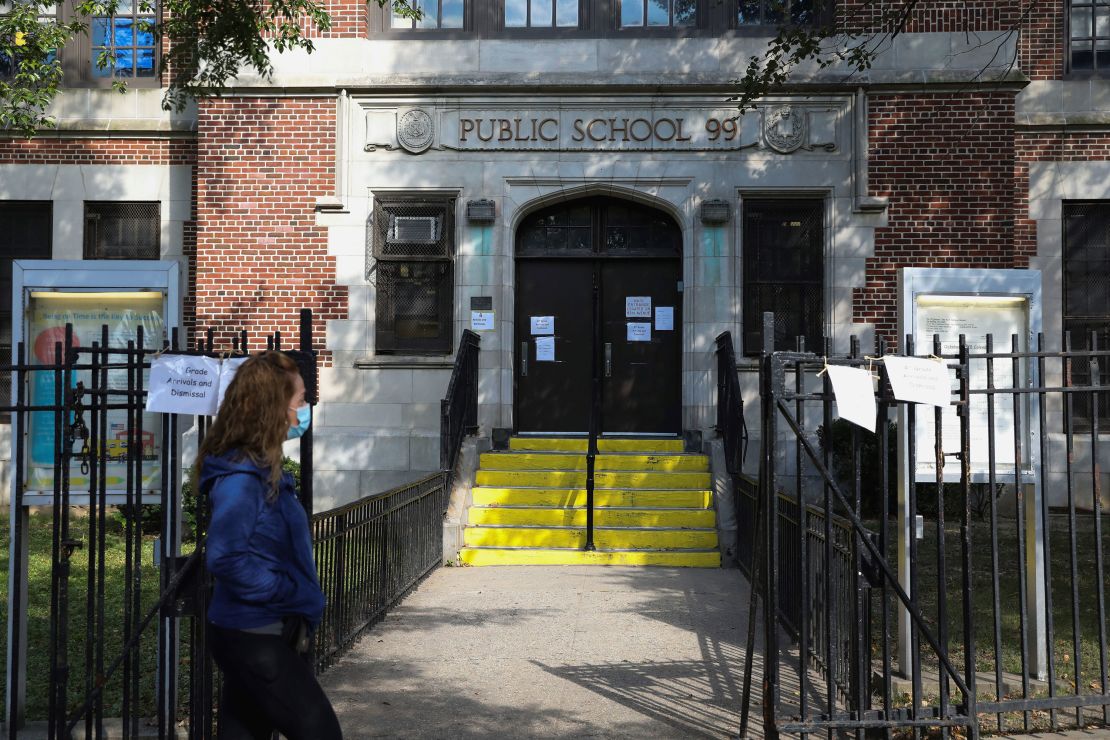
(482, 211)
(715, 212)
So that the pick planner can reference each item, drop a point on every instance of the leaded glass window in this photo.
(1089, 37)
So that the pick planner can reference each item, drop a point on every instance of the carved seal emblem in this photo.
(784, 128)
(415, 130)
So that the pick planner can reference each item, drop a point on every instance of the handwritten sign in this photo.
(183, 384)
(227, 373)
(637, 307)
(639, 331)
(919, 380)
(545, 349)
(664, 318)
(855, 395)
(543, 324)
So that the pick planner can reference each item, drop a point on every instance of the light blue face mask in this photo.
(304, 416)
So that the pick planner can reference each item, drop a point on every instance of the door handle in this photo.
(523, 359)
(608, 359)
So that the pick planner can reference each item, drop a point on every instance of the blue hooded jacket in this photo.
(260, 553)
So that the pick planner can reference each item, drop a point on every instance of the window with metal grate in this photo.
(122, 230)
(1087, 298)
(27, 230)
(412, 248)
(784, 271)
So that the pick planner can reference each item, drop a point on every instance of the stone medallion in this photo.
(415, 130)
(784, 128)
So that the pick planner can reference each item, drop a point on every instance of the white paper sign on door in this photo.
(482, 321)
(228, 369)
(919, 380)
(639, 331)
(637, 307)
(543, 324)
(664, 318)
(183, 384)
(545, 349)
(855, 395)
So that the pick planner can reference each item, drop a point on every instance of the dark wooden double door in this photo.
(598, 291)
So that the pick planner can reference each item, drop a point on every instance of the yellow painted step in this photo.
(523, 537)
(532, 461)
(545, 517)
(678, 559)
(602, 479)
(573, 497)
(661, 462)
(606, 444)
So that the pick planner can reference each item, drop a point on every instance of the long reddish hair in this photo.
(253, 419)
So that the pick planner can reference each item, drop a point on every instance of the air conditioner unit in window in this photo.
(413, 230)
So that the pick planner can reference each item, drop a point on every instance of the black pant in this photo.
(267, 687)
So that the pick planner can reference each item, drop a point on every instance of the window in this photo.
(541, 13)
(413, 246)
(658, 13)
(779, 12)
(437, 14)
(123, 46)
(1089, 36)
(27, 230)
(122, 231)
(46, 15)
(1087, 295)
(784, 271)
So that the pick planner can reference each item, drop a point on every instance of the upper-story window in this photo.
(435, 14)
(122, 46)
(658, 13)
(780, 12)
(541, 13)
(1089, 36)
(47, 14)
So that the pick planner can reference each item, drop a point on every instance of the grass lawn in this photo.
(38, 653)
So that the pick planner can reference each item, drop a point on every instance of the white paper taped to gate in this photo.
(543, 324)
(637, 307)
(227, 373)
(183, 384)
(664, 318)
(639, 331)
(855, 395)
(545, 349)
(919, 380)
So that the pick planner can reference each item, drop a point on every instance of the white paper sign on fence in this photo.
(184, 384)
(227, 374)
(919, 380)
(545, 349)
(855, 395)
(542, 324)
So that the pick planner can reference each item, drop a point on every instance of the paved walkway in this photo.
(558, 652)
(551, 652)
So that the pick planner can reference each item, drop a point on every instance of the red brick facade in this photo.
(262, 163)
(48, 149)
(946, 163)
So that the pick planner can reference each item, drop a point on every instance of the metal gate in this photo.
(117, 645)
(995, 621)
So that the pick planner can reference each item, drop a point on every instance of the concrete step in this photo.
(604, 538)
(668, 462)
(530, 556)
(603, 497)
(537, 516)
(602, 479)
(605, 444)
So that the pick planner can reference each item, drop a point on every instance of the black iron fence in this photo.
(459, 408)
(947, 570)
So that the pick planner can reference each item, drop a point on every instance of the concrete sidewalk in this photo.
(552, 652)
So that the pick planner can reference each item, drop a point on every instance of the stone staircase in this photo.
(652, 505)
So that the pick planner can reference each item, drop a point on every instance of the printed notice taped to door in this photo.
(637, 307)
(482, 321)
(639, 331)
(183, 384)
(855, 395)
(919, 380)
(543, 324)
(664, 318)
(545, 349)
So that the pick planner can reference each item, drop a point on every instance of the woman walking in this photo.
(267, 598)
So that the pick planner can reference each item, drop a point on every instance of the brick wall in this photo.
(946, 162)
(261, 165)
(49, 149)
(933, 16)
(1043, 33)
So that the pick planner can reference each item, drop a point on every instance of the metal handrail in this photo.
(459, 407)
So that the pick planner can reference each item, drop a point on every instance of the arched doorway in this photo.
(598, 280)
